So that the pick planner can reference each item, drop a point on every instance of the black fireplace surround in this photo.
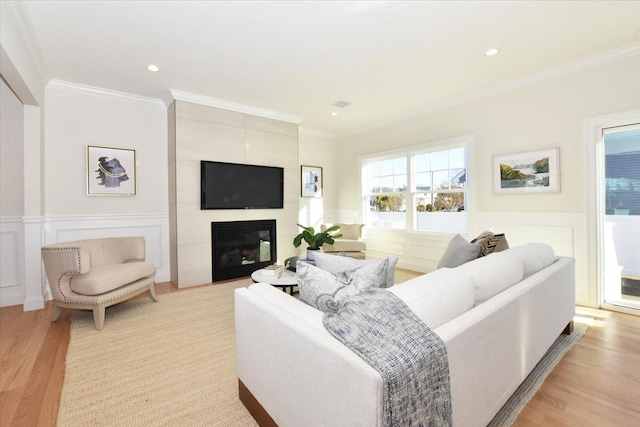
(238, 248)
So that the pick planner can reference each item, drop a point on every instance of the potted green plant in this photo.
(315, 240)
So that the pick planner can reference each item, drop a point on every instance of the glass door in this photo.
(620, 213)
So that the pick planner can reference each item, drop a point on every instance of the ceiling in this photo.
(389, 59)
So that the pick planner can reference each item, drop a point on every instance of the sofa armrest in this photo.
(494, 346)
(298, 372)
(61, 262)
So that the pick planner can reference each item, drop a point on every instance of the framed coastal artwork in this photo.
(311, 181)
(530, 172)
(111, 171)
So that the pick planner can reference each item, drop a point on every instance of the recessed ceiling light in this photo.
(153, 68)
(492, 51)
(334, 114)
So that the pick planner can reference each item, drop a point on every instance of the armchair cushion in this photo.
(105, 278)
(345, 245)
(350, 240)
(350, 231)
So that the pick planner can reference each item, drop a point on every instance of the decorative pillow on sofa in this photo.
(336, 264)
(491, 242)
(492, 275)
(534, 256)
(459, 252)
(328, 291)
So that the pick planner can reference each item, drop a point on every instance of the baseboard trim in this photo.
(36, 303)
(254, 407)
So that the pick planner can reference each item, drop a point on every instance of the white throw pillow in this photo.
(534, 257)
(336, 264)
(493, 273)
(328, 291)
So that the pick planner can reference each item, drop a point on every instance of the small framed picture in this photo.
(111, 171)
(311, 181)
(530, 172)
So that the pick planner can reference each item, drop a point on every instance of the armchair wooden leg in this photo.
(55, 312)
(152, 292)
(98, 316)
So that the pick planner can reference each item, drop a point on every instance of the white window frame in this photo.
(466, 141)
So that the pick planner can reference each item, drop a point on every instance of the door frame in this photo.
(595, 212)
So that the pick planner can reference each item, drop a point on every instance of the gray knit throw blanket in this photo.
(412, 360)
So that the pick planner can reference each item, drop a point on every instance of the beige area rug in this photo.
(170, 363)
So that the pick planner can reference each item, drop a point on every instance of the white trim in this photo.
(561, 70)
(179, 95)
(21, 17)
(466, 141)
(593, 137)
(154, 226)
(12, 285)
(104, 93)
(620, 308)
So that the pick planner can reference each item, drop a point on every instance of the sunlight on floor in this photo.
(591, 316)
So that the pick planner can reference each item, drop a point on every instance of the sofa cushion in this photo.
(336, 264)
(328, 291)
(458, 252)
(437, 297)
(534, 257)
(493, 274)
(105, 278)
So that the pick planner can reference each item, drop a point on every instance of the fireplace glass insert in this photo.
(238, 248)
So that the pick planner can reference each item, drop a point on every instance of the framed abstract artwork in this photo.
(311, 181)
(111, 171)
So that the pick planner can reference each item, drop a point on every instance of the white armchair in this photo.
(95, 274)
(351, 243)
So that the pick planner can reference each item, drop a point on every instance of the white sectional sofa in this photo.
(497, 316)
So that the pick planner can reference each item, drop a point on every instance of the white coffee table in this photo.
(287, 280)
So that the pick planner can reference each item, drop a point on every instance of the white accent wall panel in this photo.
(12, 290)
(154, 228)
(199, 132)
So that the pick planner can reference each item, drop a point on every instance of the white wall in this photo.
(78, 116)
(319, 150)
(12, 290)
(24, 70)
(75, 120)
(11, 153)
(551, 113)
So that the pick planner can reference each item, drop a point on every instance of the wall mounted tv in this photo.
(237, 186)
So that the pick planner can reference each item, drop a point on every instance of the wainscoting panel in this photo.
(12, 289)
(566, 232)
(154, 228)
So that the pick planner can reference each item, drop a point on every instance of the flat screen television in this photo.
(238, 186)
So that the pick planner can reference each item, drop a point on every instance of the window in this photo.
(386, 190)
(421, 189)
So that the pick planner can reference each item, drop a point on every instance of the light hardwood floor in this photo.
(597, 383)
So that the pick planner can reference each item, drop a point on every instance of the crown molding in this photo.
(20, 14)
(104, 93)
(562, 70)
(179, 95)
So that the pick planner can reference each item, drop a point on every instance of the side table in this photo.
(287, 280)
